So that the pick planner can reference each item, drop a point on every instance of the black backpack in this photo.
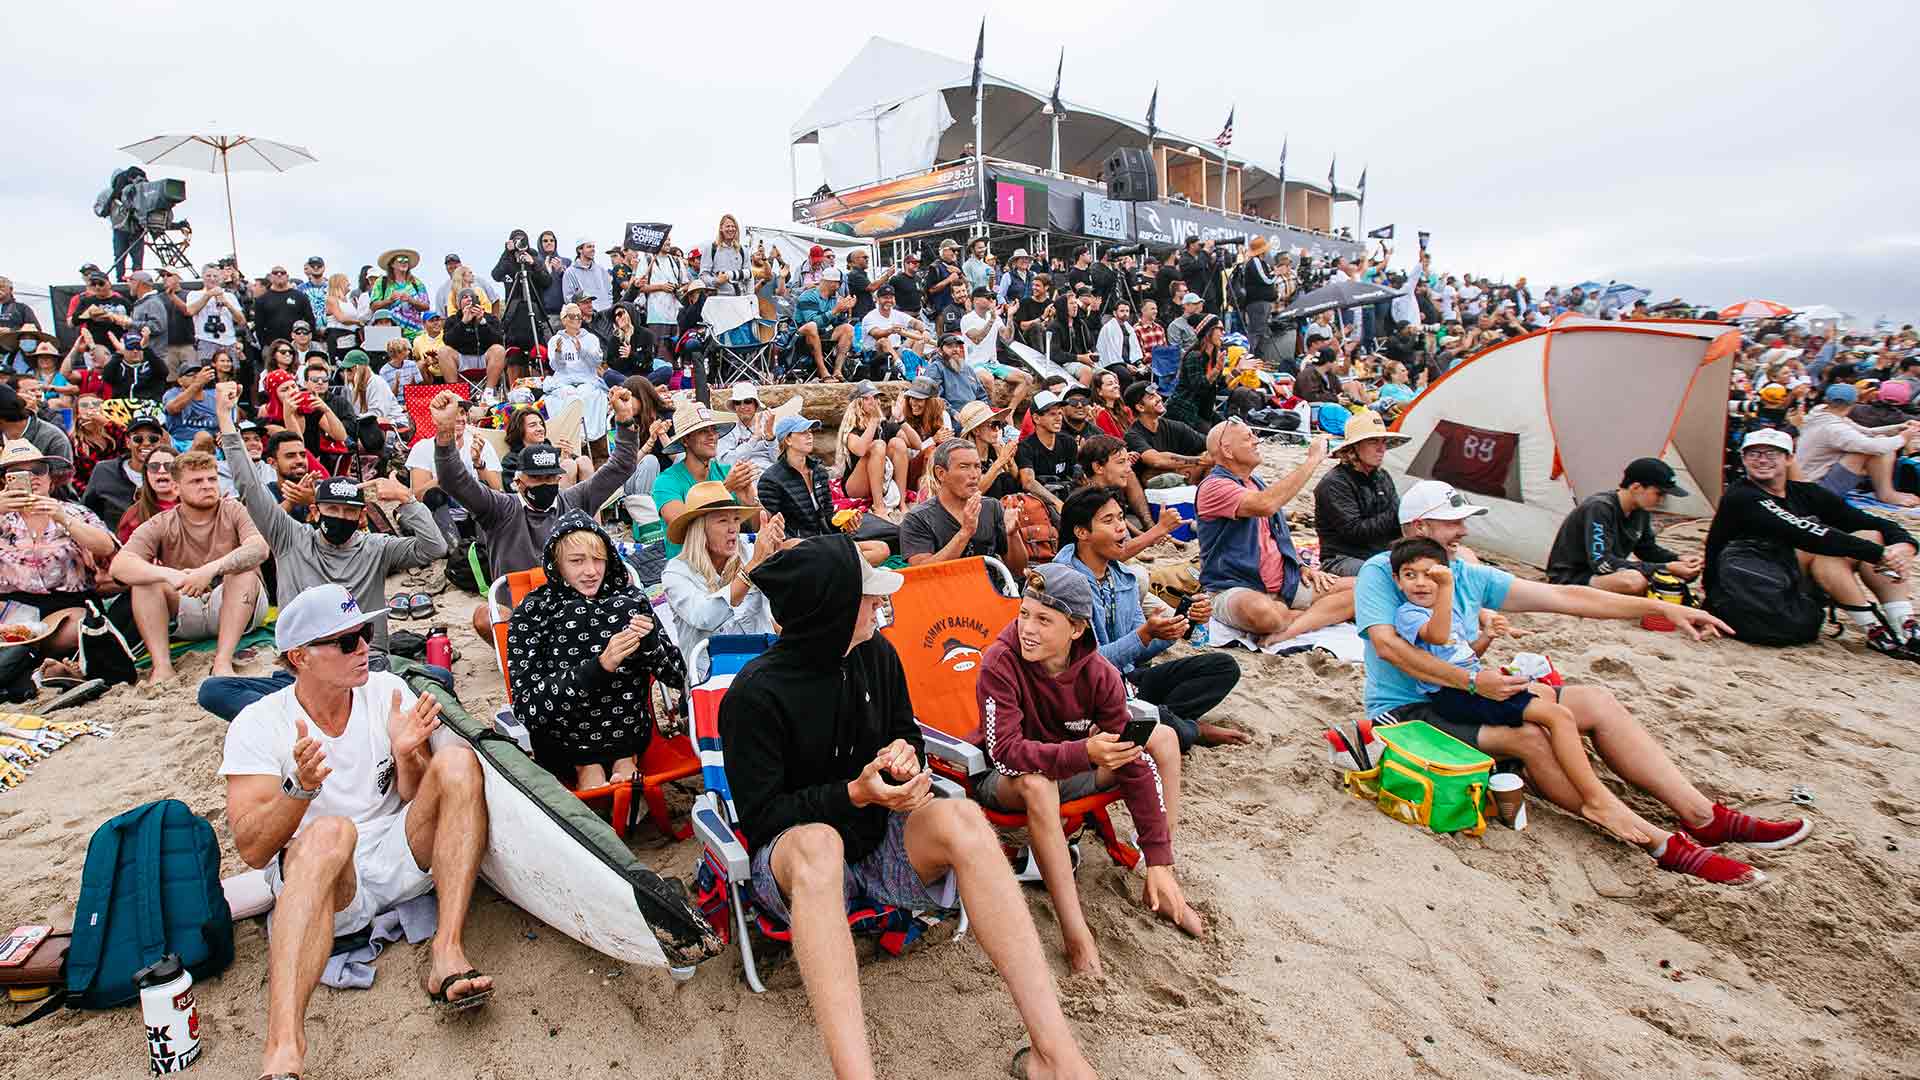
(1760, 592)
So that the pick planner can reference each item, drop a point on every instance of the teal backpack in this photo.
(151, 887)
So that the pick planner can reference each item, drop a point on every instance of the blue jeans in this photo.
(224, 696)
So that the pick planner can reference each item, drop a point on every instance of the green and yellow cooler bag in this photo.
(1425, 776)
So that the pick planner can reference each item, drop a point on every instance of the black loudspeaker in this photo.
(1130, 176)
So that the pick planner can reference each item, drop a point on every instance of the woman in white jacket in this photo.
(706, 584)
(578, 364)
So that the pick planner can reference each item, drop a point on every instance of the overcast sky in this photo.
(1713, 151)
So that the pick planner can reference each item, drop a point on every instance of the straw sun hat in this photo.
(706, 497)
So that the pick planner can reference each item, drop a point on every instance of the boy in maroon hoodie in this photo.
(1052, 710)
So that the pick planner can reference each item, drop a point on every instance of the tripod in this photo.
(537, 327)
(168, 239)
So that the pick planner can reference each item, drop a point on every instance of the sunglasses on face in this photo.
(38, 468)
(349, 642)
(148, 439)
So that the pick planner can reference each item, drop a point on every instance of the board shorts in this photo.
(1841, 480)
(885, 876)
(199, 616)
(1228, 600)
(1466, 730)
(993, 791)
(384, 873)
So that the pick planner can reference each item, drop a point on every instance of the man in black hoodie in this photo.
(838, 804)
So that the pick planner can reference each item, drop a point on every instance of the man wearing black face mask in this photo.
(337, 550)
(516, 526)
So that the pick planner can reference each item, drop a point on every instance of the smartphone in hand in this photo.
(1138, 732)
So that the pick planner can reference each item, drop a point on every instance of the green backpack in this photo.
(1425, 776)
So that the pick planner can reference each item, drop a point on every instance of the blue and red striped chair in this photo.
(723, 885)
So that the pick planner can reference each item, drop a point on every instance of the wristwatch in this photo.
(291, 787)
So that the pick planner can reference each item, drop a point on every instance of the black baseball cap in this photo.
(540, 459)
(1137, 390)
(315, 260)
(1078, 390)
(1653, 473)
(983, 291)
(884, 290)
(339, 491)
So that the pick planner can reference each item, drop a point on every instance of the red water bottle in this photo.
(439, 648)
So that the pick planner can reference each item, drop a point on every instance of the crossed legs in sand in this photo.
(447, 833)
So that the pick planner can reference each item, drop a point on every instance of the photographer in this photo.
(1197, 272)
(217, 315)
(525, 278)
(1262, 291)
(475, 332)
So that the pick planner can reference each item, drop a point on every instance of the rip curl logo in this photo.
(958, 639)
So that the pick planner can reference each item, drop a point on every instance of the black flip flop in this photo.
(470, 1001)
(76, 695)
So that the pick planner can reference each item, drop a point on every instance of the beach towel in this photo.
(1341, 639)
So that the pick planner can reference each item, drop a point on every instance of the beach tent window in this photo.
(1476, 459)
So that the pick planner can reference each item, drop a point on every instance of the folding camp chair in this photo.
(725, 875)
(418, 400)
(667, 758)
(944, 618)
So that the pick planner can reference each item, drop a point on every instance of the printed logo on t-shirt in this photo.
(385, 776)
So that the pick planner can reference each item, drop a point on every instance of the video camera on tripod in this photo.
(152, 201)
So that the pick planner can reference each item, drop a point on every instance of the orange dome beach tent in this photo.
(1531, 426)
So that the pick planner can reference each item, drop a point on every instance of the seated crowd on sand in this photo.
(184, 524)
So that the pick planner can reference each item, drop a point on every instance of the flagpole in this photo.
(979, 111)
(1053, 106)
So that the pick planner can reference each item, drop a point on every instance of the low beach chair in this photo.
(667, 758)
(944, 618)
(724, 876)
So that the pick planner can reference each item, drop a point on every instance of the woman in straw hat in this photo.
(399, 293)
(48, 548)
(706, 584)
(1356, 509)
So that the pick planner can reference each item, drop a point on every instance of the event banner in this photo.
(942, 198)
(1081, 208)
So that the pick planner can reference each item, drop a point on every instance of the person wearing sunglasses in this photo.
(115, 481)
(987, 427)
(336, 792)
(193, 570)
(336, 548)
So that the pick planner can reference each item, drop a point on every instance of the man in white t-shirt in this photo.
(335, 790)
(890, 331)
(216, 311)
(664, 275)
(985, 328)
(425, 482)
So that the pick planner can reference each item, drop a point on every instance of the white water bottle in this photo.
(172, 1018)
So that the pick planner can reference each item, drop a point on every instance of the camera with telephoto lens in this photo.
(1119, 251)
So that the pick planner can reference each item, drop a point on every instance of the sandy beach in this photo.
(1342, 944)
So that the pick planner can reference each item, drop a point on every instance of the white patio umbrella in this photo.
(224, 154)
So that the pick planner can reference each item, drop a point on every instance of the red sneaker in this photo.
(1683, 856)
(1734, 827)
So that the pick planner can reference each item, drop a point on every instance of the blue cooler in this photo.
(1181, 499)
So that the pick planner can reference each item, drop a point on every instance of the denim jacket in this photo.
(1118, 613)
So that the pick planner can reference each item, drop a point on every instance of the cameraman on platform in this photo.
(524, 275)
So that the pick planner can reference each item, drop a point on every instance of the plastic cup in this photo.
(1509, 799)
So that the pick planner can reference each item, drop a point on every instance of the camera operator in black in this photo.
(1197, 271)
(129, 237)
(522, 273)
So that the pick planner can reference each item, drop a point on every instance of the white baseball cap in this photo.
(319, 613)
(1191, 298)
(744, 391)
(1044, 400)
(1773, 437)
(877, 582)
(1435, 500)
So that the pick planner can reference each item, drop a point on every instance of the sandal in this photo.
(1017, 1068)
(421, 604)
(462, 1004)
(400, 607)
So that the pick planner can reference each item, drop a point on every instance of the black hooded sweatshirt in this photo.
(804, 718)
(577, 712)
